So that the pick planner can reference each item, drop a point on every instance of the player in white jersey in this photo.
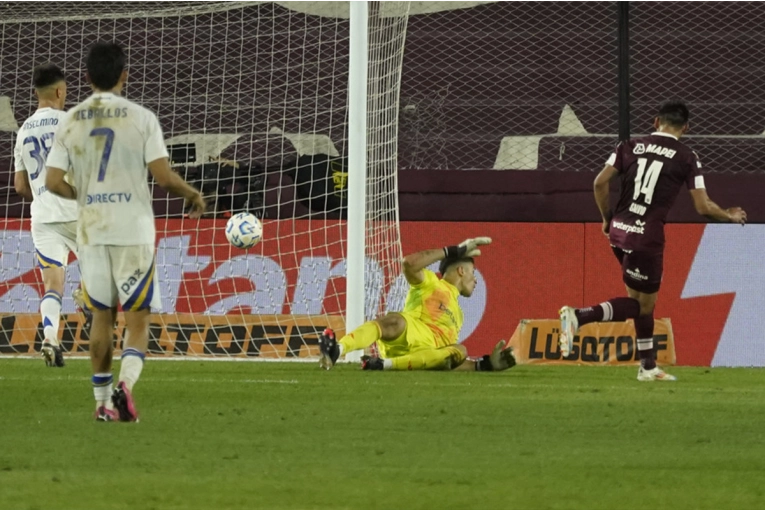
(108, 142)
(53, 218)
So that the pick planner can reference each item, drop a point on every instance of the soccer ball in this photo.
(244, 230)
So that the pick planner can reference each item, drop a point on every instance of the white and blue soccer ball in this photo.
(244, 230)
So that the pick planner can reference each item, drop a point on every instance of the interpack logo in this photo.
(264, 336)
(607, 343)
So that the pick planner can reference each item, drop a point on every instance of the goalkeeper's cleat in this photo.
(371, 363)
(123, 403)
(330, 350)
(79, 301)
(104, 414)
(569, 325)
(502, 357)
(654, 374)
(52, 354)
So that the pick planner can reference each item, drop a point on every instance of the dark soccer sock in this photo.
(644, 334)
(614, 310)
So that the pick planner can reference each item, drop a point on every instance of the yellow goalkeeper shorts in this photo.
(416, 337)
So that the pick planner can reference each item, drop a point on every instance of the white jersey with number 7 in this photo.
(108, 142)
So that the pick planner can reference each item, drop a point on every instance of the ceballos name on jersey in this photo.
(101, 113)
(109, 198)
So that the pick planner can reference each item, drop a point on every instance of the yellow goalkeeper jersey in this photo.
(434, 303)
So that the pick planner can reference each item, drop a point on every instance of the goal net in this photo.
(252, 98)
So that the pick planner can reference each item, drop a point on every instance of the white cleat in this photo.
(52, 354)
(655, 374)
(569, 325)
(48, 355)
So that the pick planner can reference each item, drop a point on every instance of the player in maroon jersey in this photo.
(651, 170)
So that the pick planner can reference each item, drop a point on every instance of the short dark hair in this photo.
(46, 75)
(675, 113)
(105, 64)
(448, 262)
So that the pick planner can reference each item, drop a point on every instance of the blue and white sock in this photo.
(50, 309)
(102, 389)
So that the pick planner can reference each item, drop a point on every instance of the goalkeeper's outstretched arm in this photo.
(414, 263)
(501, 358)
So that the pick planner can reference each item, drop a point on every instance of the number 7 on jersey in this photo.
(109, 134)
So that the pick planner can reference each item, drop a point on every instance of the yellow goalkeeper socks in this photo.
(444, 358)
(361, 337)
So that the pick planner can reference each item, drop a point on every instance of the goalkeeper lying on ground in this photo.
(423, 336)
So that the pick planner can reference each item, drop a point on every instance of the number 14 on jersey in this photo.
(645, 180)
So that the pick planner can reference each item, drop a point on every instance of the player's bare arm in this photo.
(707, 208)
(54, 181)
(414, 263)
(21, 178)
(173, 183)
(601, 189)
(21, 184)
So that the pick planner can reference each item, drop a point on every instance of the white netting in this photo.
(252, 98)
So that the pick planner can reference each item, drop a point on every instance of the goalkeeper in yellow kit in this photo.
(424, 335)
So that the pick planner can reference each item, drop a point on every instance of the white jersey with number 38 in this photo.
(34, 142)
(108, 141)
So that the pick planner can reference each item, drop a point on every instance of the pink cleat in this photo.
(123, 403)
(104, 414)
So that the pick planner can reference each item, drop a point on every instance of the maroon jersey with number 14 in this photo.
(652, 171)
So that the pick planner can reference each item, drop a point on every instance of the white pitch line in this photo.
(642, 387)
(157, 379)
(216, 359)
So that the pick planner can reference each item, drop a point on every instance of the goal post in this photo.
(255, 103)
(357, 166)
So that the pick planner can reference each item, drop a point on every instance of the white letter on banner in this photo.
(373, 287)
(373, 274)
(17, 254)
(473, 308)
(727, 260)
(173, 260)
(397, 295)
(268, 278)
(16, 258)
(21, 298)
(311, 286)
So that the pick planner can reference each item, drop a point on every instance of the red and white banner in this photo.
(713, 288)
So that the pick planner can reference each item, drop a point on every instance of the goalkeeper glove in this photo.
(501, 358)
(467, 248)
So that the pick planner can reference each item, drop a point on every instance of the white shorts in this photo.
(53, 242)
(124, 274)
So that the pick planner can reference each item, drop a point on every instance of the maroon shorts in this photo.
(641, 271)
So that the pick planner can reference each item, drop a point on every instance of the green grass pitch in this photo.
(291, 436)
